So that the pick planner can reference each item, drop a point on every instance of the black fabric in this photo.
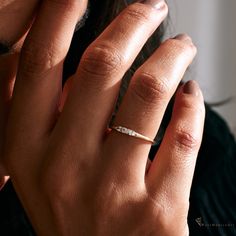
(213, 191)
(212, 202)
(13, 220)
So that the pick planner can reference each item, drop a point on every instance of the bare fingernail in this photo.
(191, 87)
(184, 37)
(157, 4)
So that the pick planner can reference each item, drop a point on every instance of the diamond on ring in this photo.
(132, 133)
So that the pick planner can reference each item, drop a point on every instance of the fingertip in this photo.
(190, 92)
(191, 88)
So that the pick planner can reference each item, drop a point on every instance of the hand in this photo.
(12, 34)
(72, 178)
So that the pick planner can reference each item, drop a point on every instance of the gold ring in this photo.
(132, 133)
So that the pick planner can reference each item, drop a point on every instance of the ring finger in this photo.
(147, 97)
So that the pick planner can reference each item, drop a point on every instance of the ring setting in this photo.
(132, 133)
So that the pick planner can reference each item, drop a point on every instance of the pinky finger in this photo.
(172, 170)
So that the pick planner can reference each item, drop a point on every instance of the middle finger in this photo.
(97, 81)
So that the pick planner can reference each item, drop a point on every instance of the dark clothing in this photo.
(213, 194)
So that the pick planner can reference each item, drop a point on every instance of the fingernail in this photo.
(184, 37)
(191, 87)
(157, 4)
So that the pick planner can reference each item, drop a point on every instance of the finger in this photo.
(102, 66)
(38, 84)
(172, 170)
(146, 100)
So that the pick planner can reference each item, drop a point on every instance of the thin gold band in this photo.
(131, 133)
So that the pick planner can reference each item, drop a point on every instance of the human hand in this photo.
(12, 33)
(72, 177)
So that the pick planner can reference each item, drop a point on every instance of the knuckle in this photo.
(37, 59)
(181, 46)
(138, 12)
(149, 89)
(101, 60)
(186, 140)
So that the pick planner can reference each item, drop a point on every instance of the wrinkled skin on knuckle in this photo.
(180, 46)
(142, 13)
(188, 136)
(101, 60)
(150, 89)
(185, 140)
(138, 12)
(37, 59)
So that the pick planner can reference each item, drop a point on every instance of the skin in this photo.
(12, 33)
(12, 36)
(20, 10)
(73, 177)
